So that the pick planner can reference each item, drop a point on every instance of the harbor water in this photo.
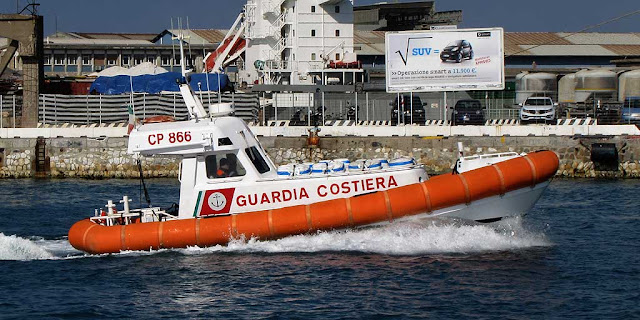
(576, 255)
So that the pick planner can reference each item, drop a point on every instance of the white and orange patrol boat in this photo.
(230, 188)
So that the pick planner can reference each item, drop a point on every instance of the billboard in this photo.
(445, 60)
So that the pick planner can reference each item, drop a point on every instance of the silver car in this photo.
(538, 109)
(631, 110)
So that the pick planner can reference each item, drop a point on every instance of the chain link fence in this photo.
(305, 109)
(379, 106)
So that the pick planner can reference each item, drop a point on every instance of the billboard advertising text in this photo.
(445, 60)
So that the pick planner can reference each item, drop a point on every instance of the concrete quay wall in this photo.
(107, 157)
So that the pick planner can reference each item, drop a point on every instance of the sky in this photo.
(153, 16)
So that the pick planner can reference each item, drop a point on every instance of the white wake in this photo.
(415, 237)
(403, 238)
(21, 249)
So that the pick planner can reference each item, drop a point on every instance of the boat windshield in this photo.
(223, 166)
(257, 159)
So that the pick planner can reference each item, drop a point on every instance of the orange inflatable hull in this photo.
(437, 193)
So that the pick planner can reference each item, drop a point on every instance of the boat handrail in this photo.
(491, 155)
(337, 174)
(123, 218)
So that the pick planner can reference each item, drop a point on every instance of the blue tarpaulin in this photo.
(156, 83)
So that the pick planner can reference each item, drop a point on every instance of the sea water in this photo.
(577, 254)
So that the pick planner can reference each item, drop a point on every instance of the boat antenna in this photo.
(219, 89)
(206, 70)
(194, 105)
(144, 186)
(173, 47)
(189, 44)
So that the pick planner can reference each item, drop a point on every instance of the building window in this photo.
(313, 33)
(138, 59)
(126, 60)
(58, 59)
(112, 60)
(165, 61)
(337, 9)
(313, 57)
(151, 59)
(337, 57)
(47, 59)
(313, 9)
(86, 59)
(72, 59)
(337, 33)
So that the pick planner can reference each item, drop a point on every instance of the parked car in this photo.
(536, 109)
(467, 112)
(457, 50)
(419, 116)
(631, 110)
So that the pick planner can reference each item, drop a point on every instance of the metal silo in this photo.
(629, 85)
(535, 84)
(598, 84)
(567, 89)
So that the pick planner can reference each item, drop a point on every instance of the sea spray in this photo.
(416, 237)
(16, 248)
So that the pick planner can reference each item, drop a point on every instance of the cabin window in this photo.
(337, 33)
(224, 141)
(313, 9)
(223, 166)
(313, 33)
(257, 159)
(313, 56)
(337, 9)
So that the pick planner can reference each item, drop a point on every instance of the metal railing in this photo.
(323, 108)
(10, 111)
(88, 109)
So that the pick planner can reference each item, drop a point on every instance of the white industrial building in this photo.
(299, 42)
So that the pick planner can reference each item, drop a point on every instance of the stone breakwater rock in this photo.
(438, 161)
(93, 163)
(75, 159)
(435, 161)
(17, 165)
(587, 169)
